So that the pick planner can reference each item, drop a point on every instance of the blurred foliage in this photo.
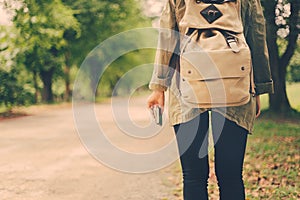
(99, 21)
(52, 38)
(120, 68)
(293, 70)
(293, 74)
(8, 49)
(41, 26)
(12, 93)
(13, 90)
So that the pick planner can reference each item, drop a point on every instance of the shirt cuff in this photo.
(154, 86)
(262, 88)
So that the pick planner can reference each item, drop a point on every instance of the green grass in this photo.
(272, 161)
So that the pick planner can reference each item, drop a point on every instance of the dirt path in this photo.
(42, 158)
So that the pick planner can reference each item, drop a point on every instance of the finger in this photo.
(258, 111)
(257, 114)
(258, 108)
(150, 102)
(149, 105)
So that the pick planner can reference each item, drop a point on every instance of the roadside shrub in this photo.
(11, 92)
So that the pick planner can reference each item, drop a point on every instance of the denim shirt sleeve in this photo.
(256, 38)
(167, 41)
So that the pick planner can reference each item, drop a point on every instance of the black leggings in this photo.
(230, 143)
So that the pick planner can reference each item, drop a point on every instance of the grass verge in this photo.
(272, 161)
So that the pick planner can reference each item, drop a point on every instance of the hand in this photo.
(258, 106)
(156, 98)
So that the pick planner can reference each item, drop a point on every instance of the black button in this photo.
(189, 72)
(198, 1)
(242, 68)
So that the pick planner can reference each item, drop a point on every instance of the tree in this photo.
(282, 18)
(55, 36)
(99, 20)
(41, 26)
(12, 90)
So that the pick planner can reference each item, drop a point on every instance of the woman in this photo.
(230, 125)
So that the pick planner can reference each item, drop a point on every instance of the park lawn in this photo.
(272, 163)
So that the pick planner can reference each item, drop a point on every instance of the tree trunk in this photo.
(68, 92)
(93, 68)
(36, 88)
(278, 101)
(47, 94)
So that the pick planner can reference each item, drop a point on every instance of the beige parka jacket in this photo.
(254, 31)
